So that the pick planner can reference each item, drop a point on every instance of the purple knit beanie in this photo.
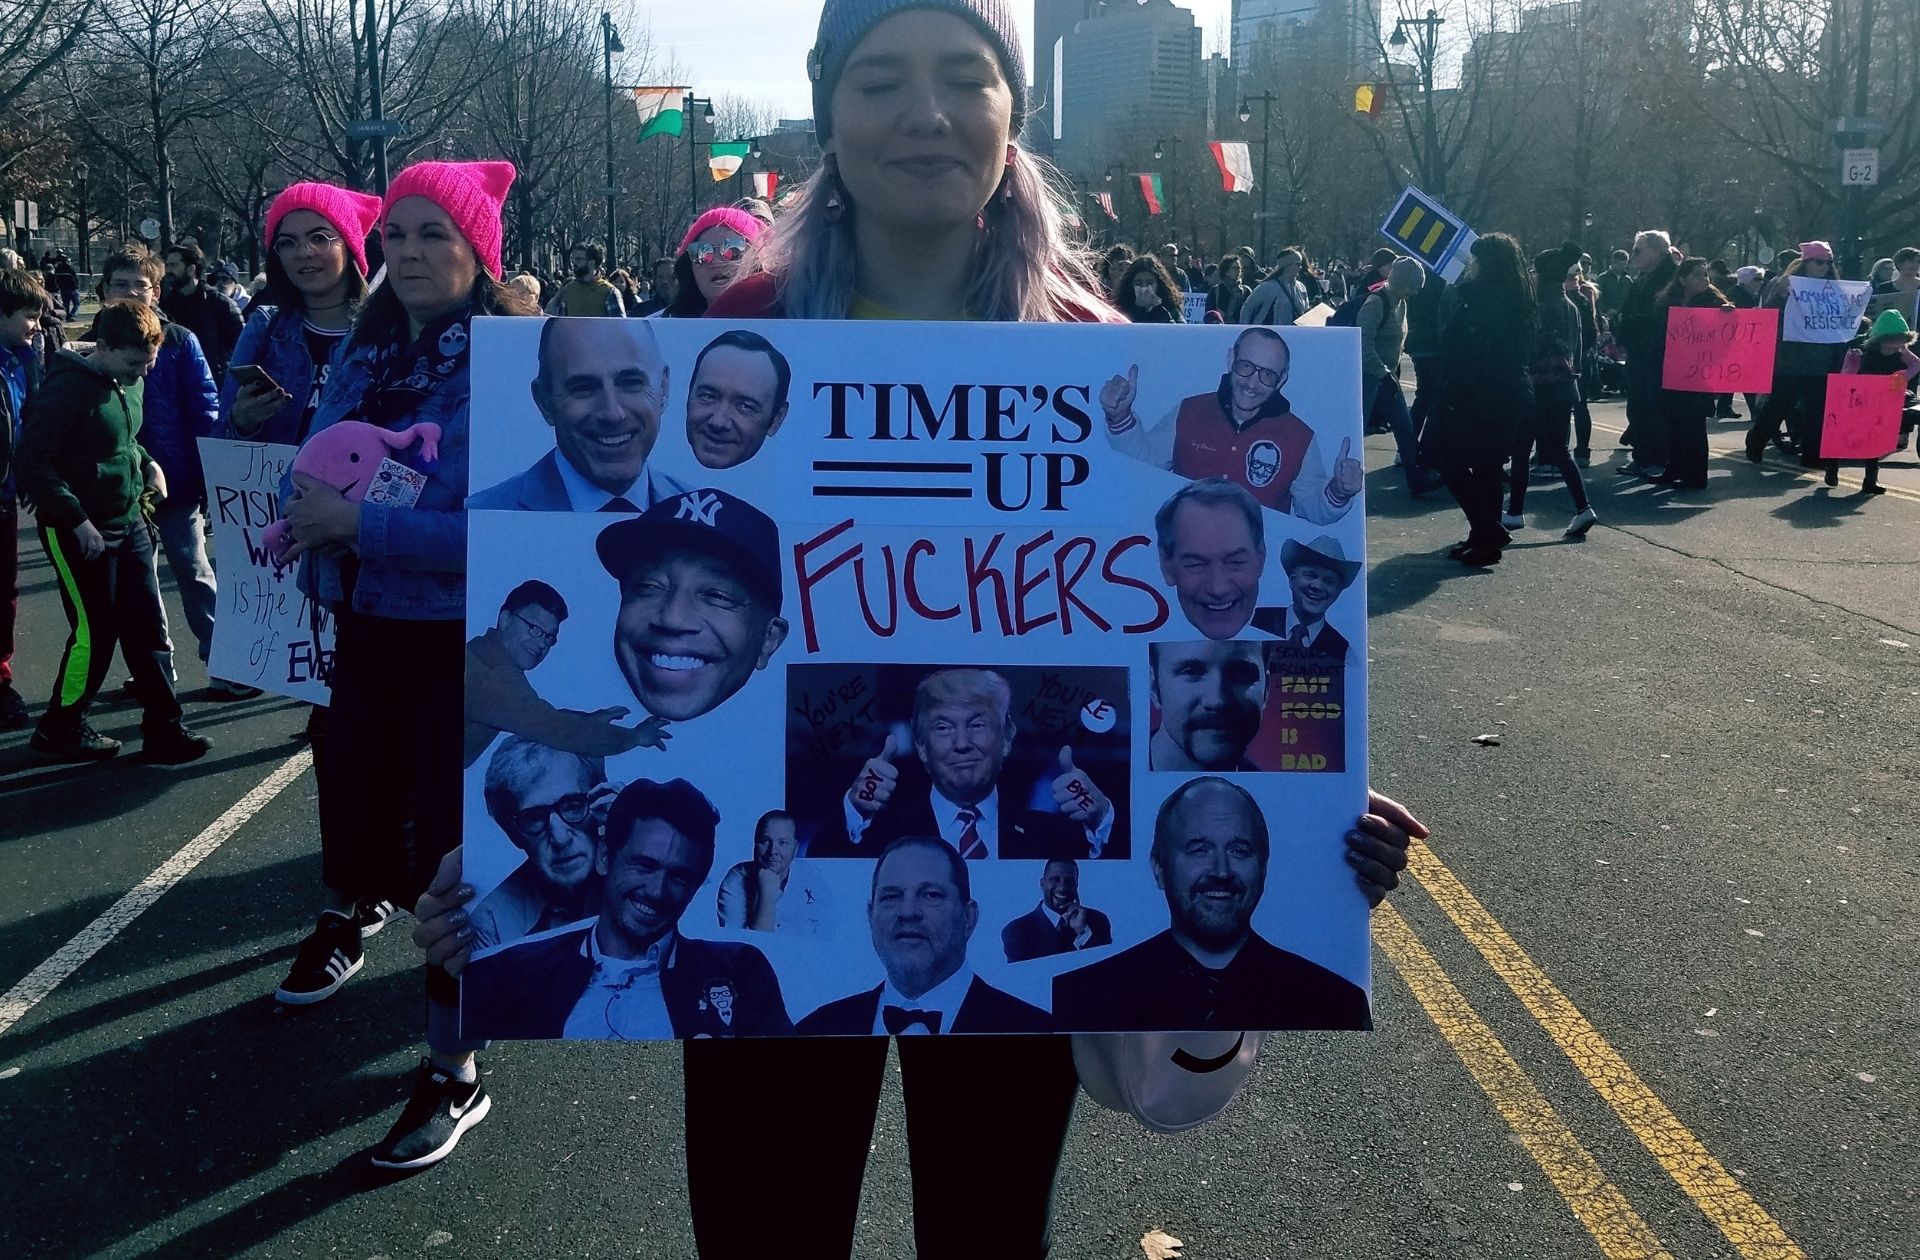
(844, 23)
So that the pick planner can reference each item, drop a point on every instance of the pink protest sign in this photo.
(1713, 351)
(1863, 416)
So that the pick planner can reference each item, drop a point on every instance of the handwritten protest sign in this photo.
(982, 609)
(1824, 311)
(1713, 351)
(1863, 416)
(1195, 308)
(267, 633)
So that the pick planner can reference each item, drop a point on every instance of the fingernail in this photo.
(464, 891)
(458, 916)
(464, 933)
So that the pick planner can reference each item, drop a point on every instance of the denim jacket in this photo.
(277, 342)
(413, 561)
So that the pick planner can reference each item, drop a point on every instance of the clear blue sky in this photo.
(758, 48)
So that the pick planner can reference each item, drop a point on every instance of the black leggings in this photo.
(986, 1122)
(1547, 435)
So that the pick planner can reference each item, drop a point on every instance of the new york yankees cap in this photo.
(709, 521)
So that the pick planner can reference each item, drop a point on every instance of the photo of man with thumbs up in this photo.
(1244, 431)
(963, 731)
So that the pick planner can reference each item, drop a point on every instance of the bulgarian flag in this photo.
(1106, 203)
(1236, 165)
(1151, 190)
(1367, 100)
(659, 109)
(764, 184)
(725, 159)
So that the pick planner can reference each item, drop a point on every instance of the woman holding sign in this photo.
(1800, 369)
(1886, 350)
(924, 208)
(1686, 411)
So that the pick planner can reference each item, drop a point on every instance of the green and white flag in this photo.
(725, 159)
(659, 110)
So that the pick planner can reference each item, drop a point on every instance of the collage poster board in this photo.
(817, 649)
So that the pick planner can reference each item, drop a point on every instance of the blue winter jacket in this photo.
(277, 342)
(412, 561)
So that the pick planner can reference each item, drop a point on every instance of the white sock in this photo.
(465, 1069)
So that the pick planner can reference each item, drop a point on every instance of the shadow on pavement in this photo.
(42, 794)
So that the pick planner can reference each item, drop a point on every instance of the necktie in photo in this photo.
(898, 1019)
(619, 503)
(971, 846)
(1297, 637)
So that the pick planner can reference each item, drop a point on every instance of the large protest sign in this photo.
(1824, 311)
(1862, 415)
(771, 624)
(1714, 351)
(267, 633)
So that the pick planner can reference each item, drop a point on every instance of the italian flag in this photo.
(659, 110)
(1151, 190)
(1236, 166)
(764, 185)
(725, 159)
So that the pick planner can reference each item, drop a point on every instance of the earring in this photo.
(836, 204)
(836, 208)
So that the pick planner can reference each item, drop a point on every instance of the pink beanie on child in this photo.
(727, 217)
(352, 214)
(472, 194)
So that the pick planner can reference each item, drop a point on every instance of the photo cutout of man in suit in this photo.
(1209, 970)
(629, 975)
(1059, 924)
(922, 914)
(963, 731)
(1317, 572)
(600, 386)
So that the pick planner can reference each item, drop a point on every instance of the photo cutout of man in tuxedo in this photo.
(629, 974)
(1059, 924)
(963, 731)
(1209, 970)
(600, 386)
(921, 914)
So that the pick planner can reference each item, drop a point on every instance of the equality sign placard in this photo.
(267, 633)
(1825, 311)
(1862, 416)
(1429, 232)
(1716, 351)
(832, 679)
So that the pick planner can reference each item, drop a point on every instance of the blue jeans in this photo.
(1389, 406)
(183, 537)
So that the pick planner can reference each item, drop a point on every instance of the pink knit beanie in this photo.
(1819, 251)
(726, 217)
(351, 213)
(472, 194)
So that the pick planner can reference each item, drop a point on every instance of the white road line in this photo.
(69, 958)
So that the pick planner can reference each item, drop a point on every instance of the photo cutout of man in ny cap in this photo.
(700, 597)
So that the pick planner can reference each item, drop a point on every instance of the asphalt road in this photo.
(1695, 834)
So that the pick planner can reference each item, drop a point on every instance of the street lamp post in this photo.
(1173, 187)
(693, 151)
(86, 229)
(376, 110)
(1266, 100)
(1425, 41)
(609, 45)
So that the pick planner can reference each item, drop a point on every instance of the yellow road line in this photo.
(1753, 1233)
(1847, 478)
(1596, 1201)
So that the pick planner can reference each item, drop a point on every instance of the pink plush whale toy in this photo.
(346, 456)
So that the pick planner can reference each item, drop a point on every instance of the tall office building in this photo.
(1340, 34)
(1131, 67)
(1053, 21)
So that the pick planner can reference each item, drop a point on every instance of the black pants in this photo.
(1582, 421)
(111, 600)
(1547, 436)
(1687, 437)
(390, 796)
(1646, 423)
(1798, 402)
(986, 1121)
(1475, 486)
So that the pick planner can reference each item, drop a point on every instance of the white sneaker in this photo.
(1580, 524)
(1512, 521)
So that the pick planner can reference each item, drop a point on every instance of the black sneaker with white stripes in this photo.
(442, 1108)
(371, 916)
(329, 955)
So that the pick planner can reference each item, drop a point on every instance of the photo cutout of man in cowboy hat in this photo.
(1317, 572)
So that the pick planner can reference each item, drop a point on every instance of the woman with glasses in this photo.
(316, 279)
(1800, 369)
(713, 254)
